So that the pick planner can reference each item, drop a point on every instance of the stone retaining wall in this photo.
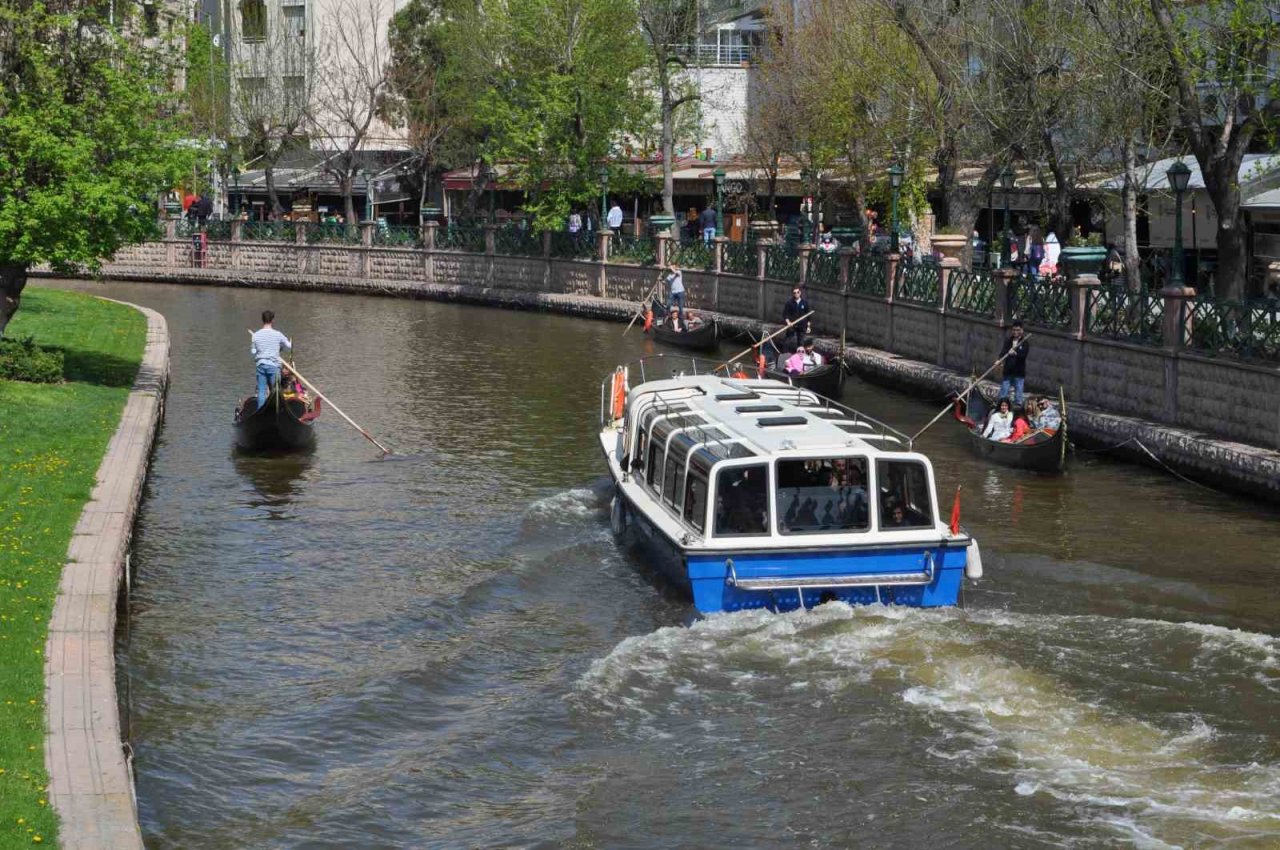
(1165, 386)
(90, 782)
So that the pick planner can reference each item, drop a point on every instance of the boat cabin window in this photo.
(742, 501)
(823, 495)
(673, 474)
(906, 500)
(695, 501)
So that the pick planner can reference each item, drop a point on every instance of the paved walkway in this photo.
(91, 786)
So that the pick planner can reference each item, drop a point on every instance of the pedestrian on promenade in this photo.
(675, 286)
(796, 308)
(575, 222)
(265, 349)
(708, 222)
(615, 219)
(1015, 366)
(1035, 250)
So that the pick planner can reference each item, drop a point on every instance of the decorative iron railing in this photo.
(627, 248)
(824, 270)
(1247, 331)
(867, 275)
(1114, 312)
(517, 242)
(917, 284)
(348, 234)
(461, 237)
(693, 254)
(268, 231)
(739, 258)
(782, 262)
(1042, 302)
(219, 229)
(397, 236)
(971, 292)
(573, 246)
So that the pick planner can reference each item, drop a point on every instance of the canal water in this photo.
(447, 649)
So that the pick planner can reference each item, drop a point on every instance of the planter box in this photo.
(950, 246)
(1083, 259)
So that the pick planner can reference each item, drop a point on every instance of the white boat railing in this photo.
(662, 366)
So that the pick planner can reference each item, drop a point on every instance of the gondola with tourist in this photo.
(752, 493)
(283, 423)
(700, 333)
(1042, 451)
(825, 380)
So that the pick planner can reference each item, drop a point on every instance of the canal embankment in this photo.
(1212, 418)
(74, 457)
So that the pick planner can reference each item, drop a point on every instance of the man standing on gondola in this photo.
(795, 308)
(266, 347)
(1014, 353)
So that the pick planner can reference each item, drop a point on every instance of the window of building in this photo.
(823, 496)
(742, 501)
(295, 21)
(293, 92)
(906, 500)
(253, 92)
(253, 20)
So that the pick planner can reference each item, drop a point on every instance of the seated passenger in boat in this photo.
(905, 497)
(822, 495)
(804, 359)
(1000, 422)
(674, 322)
(1047, 417)
(742, 502)
(1021, 429)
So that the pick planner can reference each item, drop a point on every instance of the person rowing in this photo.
(265, 350)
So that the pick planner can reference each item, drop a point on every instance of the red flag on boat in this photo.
(648, 320)
(761, 364)
(955, 512)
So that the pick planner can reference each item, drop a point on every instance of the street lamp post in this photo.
(604, 195)
(1006, 248)
(491, 182)
(718, 174)
(1179, 176)
(368, 197)
(895, 182)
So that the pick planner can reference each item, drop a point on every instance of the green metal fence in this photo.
(1039, 302)
(1247, 331)
(782, 262)
(691, 254)
(739, 258)
(398, 236)
(573, 246)
(517, 242)
(268, 231)
(917, 284)
(346, 234)
(867, 275)
(824, 270)
(628, 248)
(971, 292)
(1113, 312)
(461, 237)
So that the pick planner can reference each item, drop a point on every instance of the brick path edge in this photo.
(90, 778)
(1230, 465)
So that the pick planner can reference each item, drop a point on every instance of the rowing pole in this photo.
(645, 303)
(759, 344)
(336, 409)
(972, 384)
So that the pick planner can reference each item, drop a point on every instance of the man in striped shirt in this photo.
(267, 345)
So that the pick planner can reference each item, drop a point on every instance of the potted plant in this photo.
(949, 243)
(763, 226)
(1083, 254)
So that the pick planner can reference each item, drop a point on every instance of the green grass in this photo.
(52, 438)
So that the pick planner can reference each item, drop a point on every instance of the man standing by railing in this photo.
(708, 222)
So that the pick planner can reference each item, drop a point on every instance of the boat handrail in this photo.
(709, 367)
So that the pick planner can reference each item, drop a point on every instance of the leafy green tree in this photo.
(670, 27)
(89, 137)
(562, 92)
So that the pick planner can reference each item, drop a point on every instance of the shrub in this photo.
(23, 360)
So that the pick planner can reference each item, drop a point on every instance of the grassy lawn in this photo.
(52, 438)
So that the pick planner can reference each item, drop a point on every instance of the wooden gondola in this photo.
(700, 337)
(283, 423)
(1041, 452)
(824, 380)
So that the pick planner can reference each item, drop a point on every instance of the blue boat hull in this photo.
(709, 581)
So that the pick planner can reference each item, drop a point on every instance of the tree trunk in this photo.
(347, 185)
(1129, 202)
(668, 150)
(1231, 278)
(269, 174)
(422, 197)
(13, 278)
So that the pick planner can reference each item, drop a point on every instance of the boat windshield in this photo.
(742, 501)
(823, 495)
(906, 500)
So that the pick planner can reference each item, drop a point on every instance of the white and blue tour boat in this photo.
(755, 494)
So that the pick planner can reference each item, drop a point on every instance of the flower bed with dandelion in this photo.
(52, 439)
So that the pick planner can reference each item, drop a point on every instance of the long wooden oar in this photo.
(726, 364)
(336, 409)
(966, 390)
(643, 304)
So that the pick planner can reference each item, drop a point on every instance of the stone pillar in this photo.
(1177, 329)
(891, 277)
(300, 233)
(1079, 328)
(429, 231)
(366, 246)
(546, 244)
(664, 240)
(846, 262)
(1002, 278)
(170, 228)
(719, 243)
(602, 251)
(762, 266)
(805, 252)
(237, 233)
(946, 268)
(490, 239)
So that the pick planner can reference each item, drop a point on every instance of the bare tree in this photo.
(671, 29)
(351, 82)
